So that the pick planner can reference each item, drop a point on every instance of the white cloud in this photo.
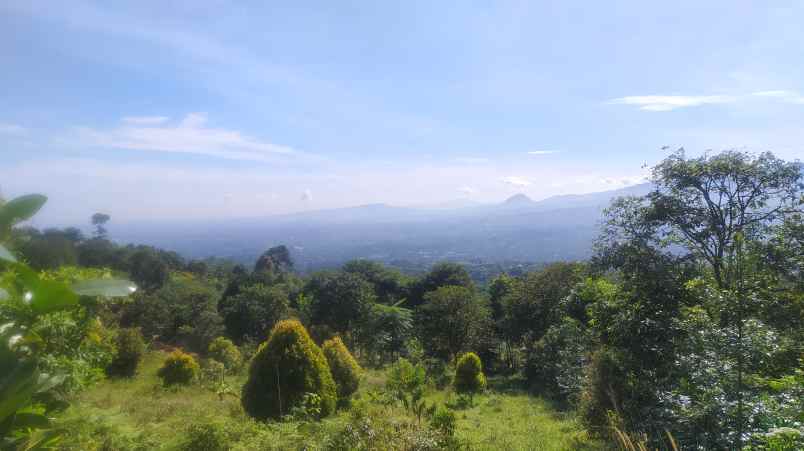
(190, 135)
(669, 103)
(784, 96)
(516, 181)
(12, 129)
(467, 190)
(543, 152)
(307, 196)
(145, 120)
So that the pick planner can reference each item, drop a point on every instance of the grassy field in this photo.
(139, 414)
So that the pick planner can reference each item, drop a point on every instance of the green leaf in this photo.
(45, 295)
(105, 287)
(30, 420)
(18, 382)
(6, 255)
(20, 209)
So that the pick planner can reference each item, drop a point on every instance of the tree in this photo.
(704, 203)
(707, 211)
(274, 259)
(441, 275)
(341, 301)
(252, 313)
(469, 377)
(451, 319)
(390, 285)
(99, 220)
(148, 270)
(533, 302)
(286, 368)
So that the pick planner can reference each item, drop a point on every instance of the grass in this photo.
(138, 413)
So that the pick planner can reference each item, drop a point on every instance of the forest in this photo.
(684, 331)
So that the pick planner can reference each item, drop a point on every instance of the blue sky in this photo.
(200, 109)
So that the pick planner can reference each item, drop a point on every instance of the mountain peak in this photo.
(518, 199)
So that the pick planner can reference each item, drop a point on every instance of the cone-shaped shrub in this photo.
(344, 367)
(286, 367)
(179, 368)
(469, 377)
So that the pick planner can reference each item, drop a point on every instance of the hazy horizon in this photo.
(207, 110)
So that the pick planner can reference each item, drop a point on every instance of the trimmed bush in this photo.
(469, 377)
(286, 367)
(130, 349)
(224, 351)
(179, 369)
(344, 367)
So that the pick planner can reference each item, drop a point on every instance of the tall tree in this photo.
(99, 220)
(452, 319)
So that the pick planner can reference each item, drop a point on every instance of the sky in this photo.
(154, 110)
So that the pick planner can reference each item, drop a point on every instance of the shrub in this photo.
(205, 437)
(224, 351)
(469, 377)
(406, 382)
(179, 368)
(556, 362)
(443, 420)
(130, 348)
(344, 367)
(286, 367)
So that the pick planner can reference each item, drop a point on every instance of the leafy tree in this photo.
(533, 302)
(49, 249)
(286, 368)
(469, 377)
(252, 313)
(148, 270)
(441, 275)
(99, 220)
(274, 259)
(340, 300)
(451, 319)
(184, 311)
(390, 285)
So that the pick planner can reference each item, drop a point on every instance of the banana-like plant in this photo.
(24, 426)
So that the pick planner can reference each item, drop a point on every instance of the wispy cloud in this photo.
(190, 135)
(784, 96)
(307, 196)
(467, 190)
(12, 129)
(145, 120)
(669, 103)
(516, 181)
(543, 152)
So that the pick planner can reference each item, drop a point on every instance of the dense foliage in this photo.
(469, 377)
(129, 349)
(344, 367)
(288, 366)
(179, 368)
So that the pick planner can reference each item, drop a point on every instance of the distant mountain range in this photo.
(518, 229)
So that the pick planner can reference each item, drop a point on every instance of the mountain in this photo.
(518, 229)
(518, 200)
